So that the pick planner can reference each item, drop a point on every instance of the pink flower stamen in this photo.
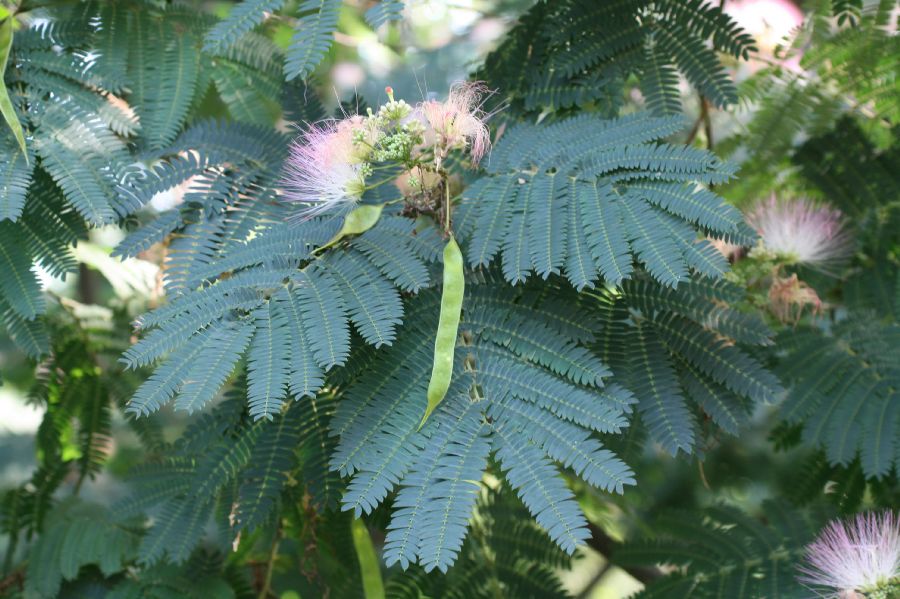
(789, 297)
(459, 121)
(323, 170)
(858, 556)
(802, 232)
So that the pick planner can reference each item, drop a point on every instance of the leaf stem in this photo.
(270, 566)
(446, 205)
(600, 542)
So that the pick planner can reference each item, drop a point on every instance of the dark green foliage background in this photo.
(619, 388)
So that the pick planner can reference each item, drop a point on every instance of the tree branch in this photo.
(705, 120)
(588, 590)
(265, 591)
(15, 580)
(603, 544)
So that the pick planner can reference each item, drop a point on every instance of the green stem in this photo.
(77, 489)
(270, 566)
(10, 551)
(380, 183)
(446, 205)
(369, 569)
(383, 167)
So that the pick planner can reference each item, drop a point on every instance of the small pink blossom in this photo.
(861, 556)
(802, 232)
(772, 23)
(324, 168)
(789, 297)
(459, 121)
(730, 251)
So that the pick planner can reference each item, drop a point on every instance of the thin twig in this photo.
(270, 566)
(447, 205)
(703, 475)
(603, 544)
(588, 590)
(695, 128)
(702, 119)
(16, 579)
(707, 122)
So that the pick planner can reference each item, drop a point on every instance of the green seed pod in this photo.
(360, 220)
(448, 327)
(6, 106)
(369, 567)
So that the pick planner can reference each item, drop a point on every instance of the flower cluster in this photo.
(458, 123)
(325, 167)
(801, 232)
(859, 559)
(330, 165)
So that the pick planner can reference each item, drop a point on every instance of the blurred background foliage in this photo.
(816, 115)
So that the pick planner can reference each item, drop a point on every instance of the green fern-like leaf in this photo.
(31, 336)
(416, 502)
(529, 392)
(324, 318)
(242, 18)
(630, 194)
(843, 384)
(183, 516)
(671, 359)
(654, 381)
(660, 81)
(165, 62)
(312, 37)
(267, 473)
(590, 50)
(373, 304)
(15, 177)
(306, 376)
(268, 362)
(383, 12)
(19, 286)
(213, 365)
(542, 491)
(723, 552)
(79, 534)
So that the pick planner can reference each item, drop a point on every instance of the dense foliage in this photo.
(638, 368)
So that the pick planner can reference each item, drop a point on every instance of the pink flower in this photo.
(325, 167)
(459, 122)
(788, 297)
(729, 250)
(859, 556)
(772, 23)
(802, 232)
